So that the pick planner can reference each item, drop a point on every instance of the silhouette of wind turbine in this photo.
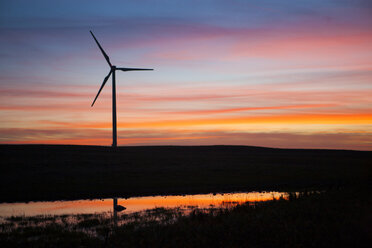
(112, 71)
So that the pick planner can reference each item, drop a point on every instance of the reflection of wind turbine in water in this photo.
(117, 208)
(112, 71)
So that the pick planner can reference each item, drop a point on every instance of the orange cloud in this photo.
(276, 119)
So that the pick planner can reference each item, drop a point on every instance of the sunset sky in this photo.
(288, 74)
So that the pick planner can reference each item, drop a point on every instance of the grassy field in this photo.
(55, 172)
(334, 218)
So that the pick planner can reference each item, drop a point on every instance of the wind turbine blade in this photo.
(103, 52)
(133, 69)
(103, 84)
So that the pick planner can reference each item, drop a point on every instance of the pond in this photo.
(134, 204)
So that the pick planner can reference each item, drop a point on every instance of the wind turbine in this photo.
(113, 69)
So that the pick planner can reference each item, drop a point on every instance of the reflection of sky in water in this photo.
(132, 204)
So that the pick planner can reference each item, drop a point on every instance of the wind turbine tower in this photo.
(112, 71)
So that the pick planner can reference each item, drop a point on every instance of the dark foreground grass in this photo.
(335, 218)
(52, 172)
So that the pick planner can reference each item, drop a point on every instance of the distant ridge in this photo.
(178, 146)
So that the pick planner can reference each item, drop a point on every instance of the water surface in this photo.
(134, 204)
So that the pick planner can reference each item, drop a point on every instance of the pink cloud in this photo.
(315, 41)
(233, 110)
(315, 46)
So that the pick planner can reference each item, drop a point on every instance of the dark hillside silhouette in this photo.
(53, 172)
